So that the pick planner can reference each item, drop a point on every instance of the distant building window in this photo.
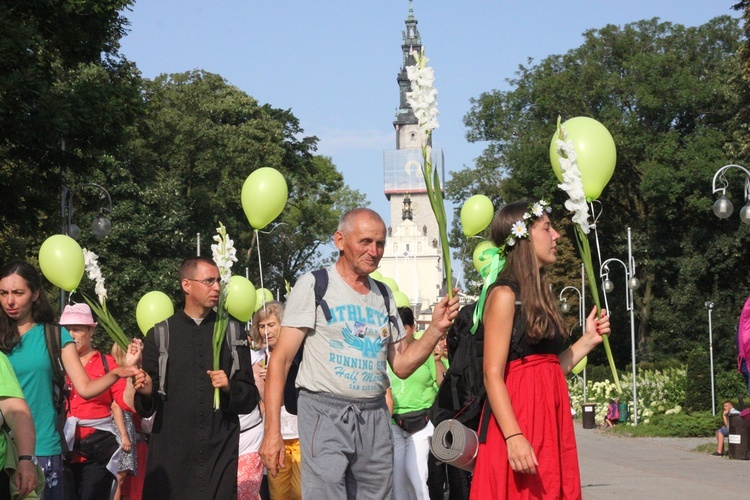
(424, 230)
(434, 243)
(407, 247)
(413, 136)
(390, 231)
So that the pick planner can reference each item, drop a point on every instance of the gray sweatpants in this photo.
(346, 447)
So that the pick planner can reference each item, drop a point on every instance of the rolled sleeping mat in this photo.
(455, 444)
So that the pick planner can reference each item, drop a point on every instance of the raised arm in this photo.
(86, 387)
(404, 359)
(591, 338)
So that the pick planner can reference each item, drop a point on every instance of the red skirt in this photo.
(540, 400)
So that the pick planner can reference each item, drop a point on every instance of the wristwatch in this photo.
(30, 458)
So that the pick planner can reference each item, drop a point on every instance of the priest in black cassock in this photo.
(193, 449)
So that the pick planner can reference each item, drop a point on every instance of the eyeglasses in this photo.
(207, 281)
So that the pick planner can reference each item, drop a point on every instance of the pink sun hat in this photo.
(77, 314)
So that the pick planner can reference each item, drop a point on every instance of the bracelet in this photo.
(514, 435)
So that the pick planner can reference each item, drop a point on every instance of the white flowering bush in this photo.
(659, 392)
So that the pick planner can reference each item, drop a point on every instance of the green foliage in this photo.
(664, 91)
(172, 152)
(698, 390)
(730, 385)
(182, 171)
(701, 424)
(659, 392)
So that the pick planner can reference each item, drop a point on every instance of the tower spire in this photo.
(410, 41)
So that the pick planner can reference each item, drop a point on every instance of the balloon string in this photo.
(260, 272)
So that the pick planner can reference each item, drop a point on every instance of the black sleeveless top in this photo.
(520, 347)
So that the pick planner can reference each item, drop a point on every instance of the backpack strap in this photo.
(105, 364)
(52, 336)
(321, 285)
(518, 318)
(161, 338)
(387, 299)
(234, 339)
(53, 339)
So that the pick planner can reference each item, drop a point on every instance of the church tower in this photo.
(412, 255)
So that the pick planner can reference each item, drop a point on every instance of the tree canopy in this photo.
(173, 152)
(665, 93)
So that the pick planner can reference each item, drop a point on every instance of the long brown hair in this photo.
(41, 311)
(543, 317)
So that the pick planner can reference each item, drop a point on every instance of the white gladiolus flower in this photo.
(91, 265)
(224, 253)
(572, 183)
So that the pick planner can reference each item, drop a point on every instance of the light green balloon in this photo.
(241, 298)
(264, 195)
(391, 283)
(61, 261)
(376, 275)
(262, 295)
(480, 259)
(595, 151)
(580, 366)
(476, 214)
(153, 308)
(402, 300)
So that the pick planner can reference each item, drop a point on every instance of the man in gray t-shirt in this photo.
(344, 423)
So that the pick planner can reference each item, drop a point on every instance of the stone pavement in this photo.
(614, 467)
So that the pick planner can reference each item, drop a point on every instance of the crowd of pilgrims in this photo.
(100, 406)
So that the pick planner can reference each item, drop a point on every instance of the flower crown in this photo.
(520, 228)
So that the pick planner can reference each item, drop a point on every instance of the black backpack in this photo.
(462, 394)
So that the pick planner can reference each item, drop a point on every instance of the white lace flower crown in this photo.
(520, 228)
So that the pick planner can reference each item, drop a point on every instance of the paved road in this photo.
(615, 467)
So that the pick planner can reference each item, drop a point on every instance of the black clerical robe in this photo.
(193, 449)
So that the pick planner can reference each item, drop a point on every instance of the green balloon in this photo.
(61, 261)
(376, 275)
(153, 308)
(391, 283)
(580, 366)
(262, 295)
(595, 151)
(241, 298)
(482, 258)
(402, 300)
(264, 195)
(476, 214)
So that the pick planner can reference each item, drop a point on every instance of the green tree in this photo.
(66, 99)
(663, 92)
(181, 172)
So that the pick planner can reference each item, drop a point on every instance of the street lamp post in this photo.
(723, 207)
(565, 307)
(632, 284)
(710, 306)
(101, 226)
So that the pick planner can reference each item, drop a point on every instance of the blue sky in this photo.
(335, 62)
